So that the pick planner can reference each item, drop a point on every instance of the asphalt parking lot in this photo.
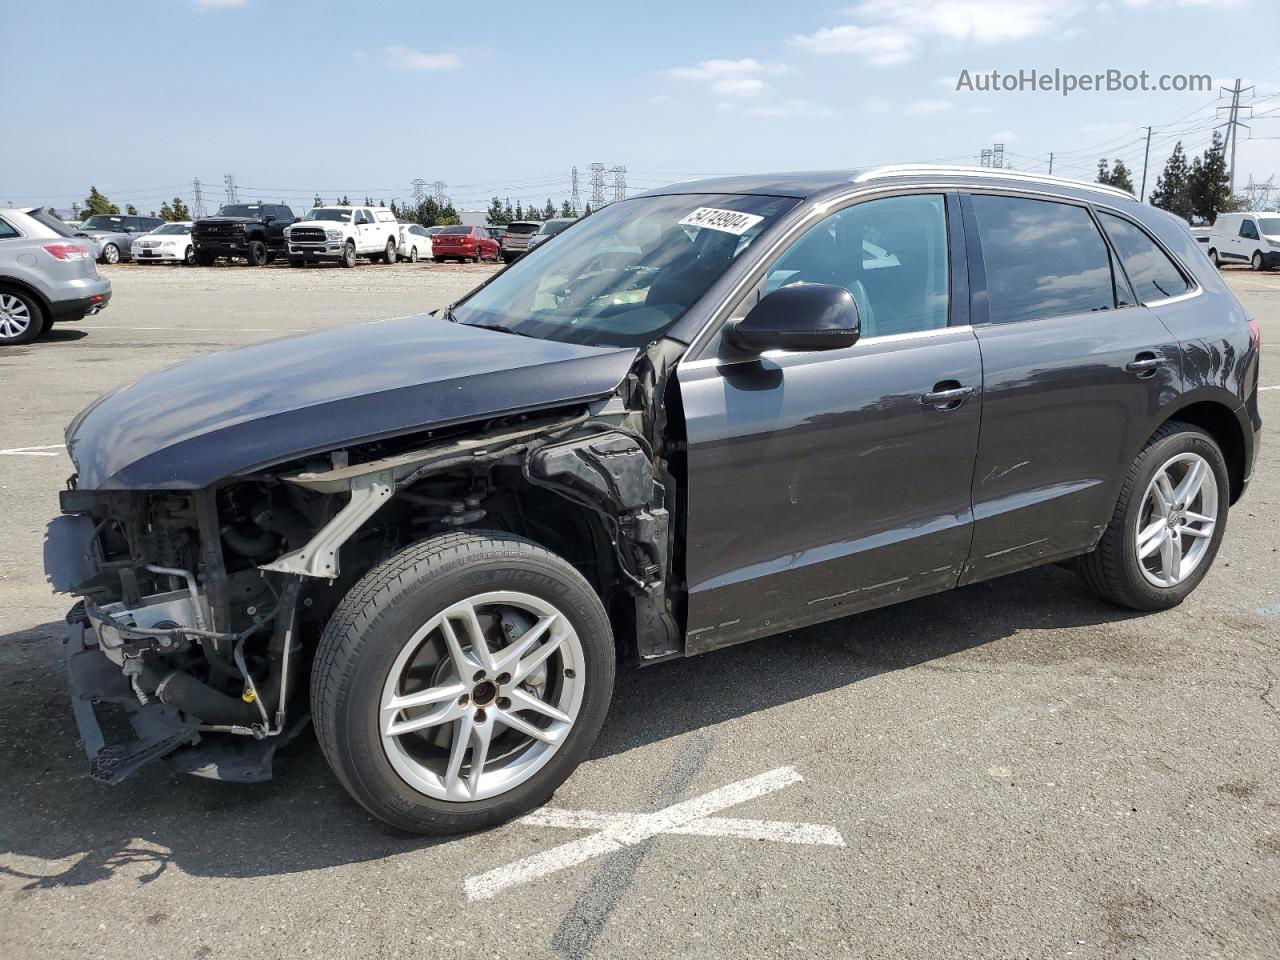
(1010, 770)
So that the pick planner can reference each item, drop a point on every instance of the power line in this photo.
(230, 181)
(597, 185)
(1233, 126)
(197, 202)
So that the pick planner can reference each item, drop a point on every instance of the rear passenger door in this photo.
(1076, 376)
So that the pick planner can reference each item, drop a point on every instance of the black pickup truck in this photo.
(254, 231)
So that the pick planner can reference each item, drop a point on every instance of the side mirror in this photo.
(800, 316)
(269, 219)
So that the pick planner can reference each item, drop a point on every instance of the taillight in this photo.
(1255, 331)
(67, 251)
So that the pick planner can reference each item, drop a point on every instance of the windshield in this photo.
(552, 227)
(1269, 226)
(240, 210)
(627, 272)
(522, 228)
(169, 228)
(328, 213)
(103, 222)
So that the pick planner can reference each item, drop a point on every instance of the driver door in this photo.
(828, 482)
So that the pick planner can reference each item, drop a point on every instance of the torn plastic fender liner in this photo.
(610, 466)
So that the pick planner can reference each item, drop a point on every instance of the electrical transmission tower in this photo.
(230, 181)
(993, 157)
(574, 200)
(419, 191)
(619, 182)
(438, 186)
(1233, 125)
(597, 185)
(197, 198)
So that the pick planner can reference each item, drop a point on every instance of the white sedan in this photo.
(415, 242)
(170, 243)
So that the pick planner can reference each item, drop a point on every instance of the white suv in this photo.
(342, 234)
(1252, 238)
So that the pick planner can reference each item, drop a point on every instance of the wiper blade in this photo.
(496, 326)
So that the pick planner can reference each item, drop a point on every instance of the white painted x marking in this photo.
(48, 450)
(614, 831)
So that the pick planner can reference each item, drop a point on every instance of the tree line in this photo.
(501, 212)
(1199, 190)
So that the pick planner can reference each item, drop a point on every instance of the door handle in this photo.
(1146, 364)
(947, 398)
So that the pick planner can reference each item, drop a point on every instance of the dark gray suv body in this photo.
(710, 413)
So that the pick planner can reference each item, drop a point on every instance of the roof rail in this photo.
(915, 169)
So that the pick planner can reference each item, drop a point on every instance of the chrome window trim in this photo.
(703, 362)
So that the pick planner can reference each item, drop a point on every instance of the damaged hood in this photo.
(231, 412)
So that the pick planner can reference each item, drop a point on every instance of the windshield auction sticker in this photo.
(726, 221)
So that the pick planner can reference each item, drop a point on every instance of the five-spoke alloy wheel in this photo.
(461, 681)
(1168, 522)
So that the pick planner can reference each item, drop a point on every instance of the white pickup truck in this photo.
(343, 233)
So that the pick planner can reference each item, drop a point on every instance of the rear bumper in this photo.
(65, 311)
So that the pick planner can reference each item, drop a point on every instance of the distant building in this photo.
(474, 218)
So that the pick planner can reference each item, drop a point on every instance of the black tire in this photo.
(1256, 262)
(189, 257)
(413, 254)
(16, 307)
(257, 254)
(1213, 257)
(110, 253)
(349, 254)
(204, 258)
(366, 633)
(389, 255)
(1112, 569)
(438, 259)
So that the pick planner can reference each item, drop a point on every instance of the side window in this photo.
(1153, 275)
(891, 254)
(1248, 230)
(1042, 259)
(7, 230)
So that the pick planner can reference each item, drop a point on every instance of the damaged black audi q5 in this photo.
(711, 413)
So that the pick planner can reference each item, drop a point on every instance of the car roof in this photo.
(821, 183)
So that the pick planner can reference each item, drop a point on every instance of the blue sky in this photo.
(300, 96)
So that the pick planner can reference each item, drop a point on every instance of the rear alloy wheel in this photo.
(462, 681)
(21, 319)
(257, 255)
(349, 254)
(389, 254)
(110, 253)
(1256, 262)
(1168, 522)
(189, 257)
(413, 254)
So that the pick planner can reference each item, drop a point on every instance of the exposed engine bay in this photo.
(200, 610)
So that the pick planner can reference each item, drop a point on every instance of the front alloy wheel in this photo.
(461, 681)
(1256, 263)
(110, 253)
(482, 696)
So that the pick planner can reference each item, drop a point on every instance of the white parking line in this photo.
(618, 830)
(1277, 387)
(44, 451)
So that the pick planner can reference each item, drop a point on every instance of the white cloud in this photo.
(406, 58)
(731, 78)
(888, 32)
(929, 106)
(882, 45)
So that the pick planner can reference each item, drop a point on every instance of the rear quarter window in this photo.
(1153, 275)
(7, 230)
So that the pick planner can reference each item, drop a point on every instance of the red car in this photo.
(463, 244)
